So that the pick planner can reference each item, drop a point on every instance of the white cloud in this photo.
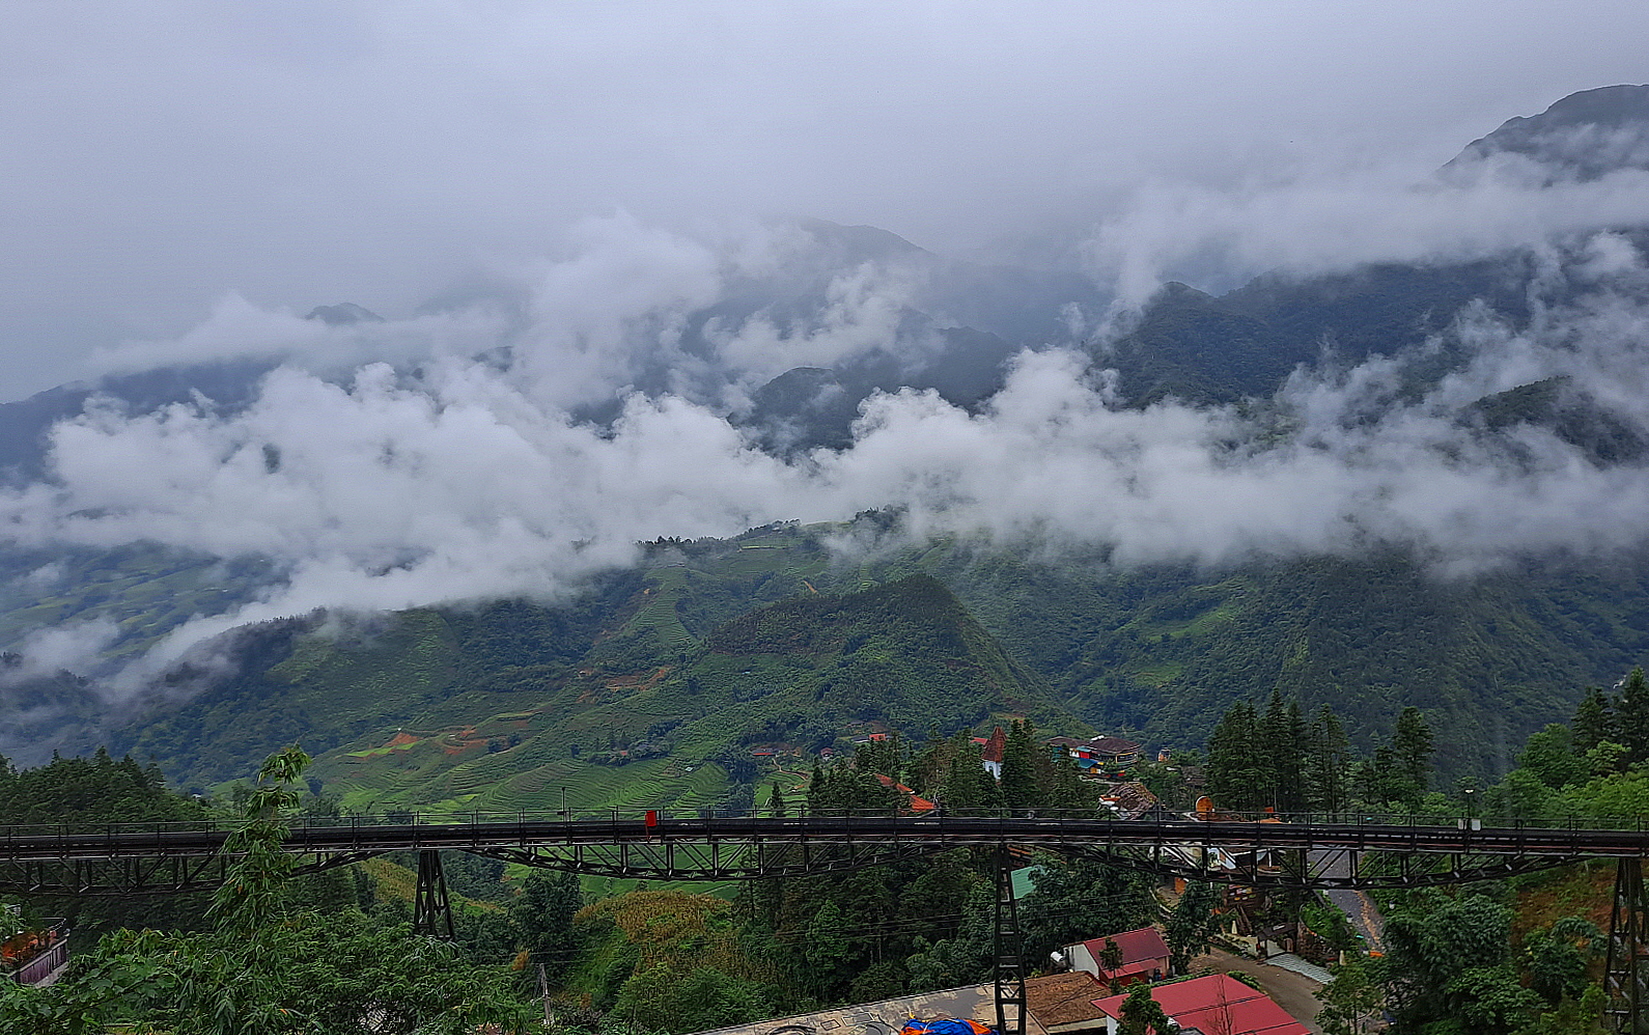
(387, 491)
(1330, 222)
(75, 647)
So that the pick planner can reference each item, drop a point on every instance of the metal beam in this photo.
(1008, 944)
(432, 909)
(1308, 853)
(1626, 972)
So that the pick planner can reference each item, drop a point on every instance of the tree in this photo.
(1068, 790)
(1448, 957)
(1550, 755)
(1073, 899)
(1283, 743)
(1411, 747)
(1351, 1000)
(1558, 956)
(775, 802)
(1594, 721)
(1141, 1014)
(1294, 789)
(966, 785)
(1192, 925)
(1606, 757)
(1019, 789)
(1632, 718)
(541, 917)
(827, 946)
(92, 791)
(1572, 1017)
(1111, 956)
(1239, 775)
(657, 998)
(265, 969)
(1492, 1000)
(1326, 762)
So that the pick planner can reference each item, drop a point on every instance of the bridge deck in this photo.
(522, 831)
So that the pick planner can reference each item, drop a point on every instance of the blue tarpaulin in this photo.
(946, 1027)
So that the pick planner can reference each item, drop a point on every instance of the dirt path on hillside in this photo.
(1293, 992)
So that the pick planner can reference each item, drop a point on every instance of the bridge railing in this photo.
(446, 819)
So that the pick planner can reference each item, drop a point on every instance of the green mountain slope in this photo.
(1164, 650)
(1200, 349)
(612, 698)
(661, 681)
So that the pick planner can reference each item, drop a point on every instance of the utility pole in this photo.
(544, 991)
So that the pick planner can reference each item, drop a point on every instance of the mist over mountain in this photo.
(1585, 136)
(1453, 370)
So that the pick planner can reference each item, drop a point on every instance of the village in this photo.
(1257, 977)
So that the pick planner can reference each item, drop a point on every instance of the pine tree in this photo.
(1632, 718)
(1068, 790)
(827, 947)
(1284, 744)
(966, 783)
(1019, 769)
(1326, 762)
(1411, 748)
(1238, 775)
(818, 788)
(1110, 957)
(1594, 721)
(542, 919)
(1274, 748)
(926, 772)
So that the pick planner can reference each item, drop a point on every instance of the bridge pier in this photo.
(1626, 975)
(431, 909)
(1009, 947)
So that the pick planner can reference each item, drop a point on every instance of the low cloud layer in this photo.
(458, 478)
(1329, 221)
(617, 307)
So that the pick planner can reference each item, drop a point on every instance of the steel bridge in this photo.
(1298, 852)
(1302, 851)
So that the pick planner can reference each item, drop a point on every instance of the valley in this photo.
(1317, 492)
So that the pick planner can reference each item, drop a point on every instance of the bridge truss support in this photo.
(432, 910)
(1009, 947)
(1626, 975)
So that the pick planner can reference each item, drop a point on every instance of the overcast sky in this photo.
(155, 158)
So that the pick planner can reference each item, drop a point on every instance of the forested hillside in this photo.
(678, 671)
(501, 707)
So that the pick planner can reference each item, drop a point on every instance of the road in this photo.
(1363, 913)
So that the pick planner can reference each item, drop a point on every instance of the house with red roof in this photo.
(913, 802)
(991, 755)
(1218, 1004)
(1144, 957)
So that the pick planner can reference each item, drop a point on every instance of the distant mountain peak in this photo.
(342, 314)
(867, 242)
(1584, 136)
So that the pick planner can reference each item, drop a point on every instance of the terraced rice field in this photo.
(648, 784)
